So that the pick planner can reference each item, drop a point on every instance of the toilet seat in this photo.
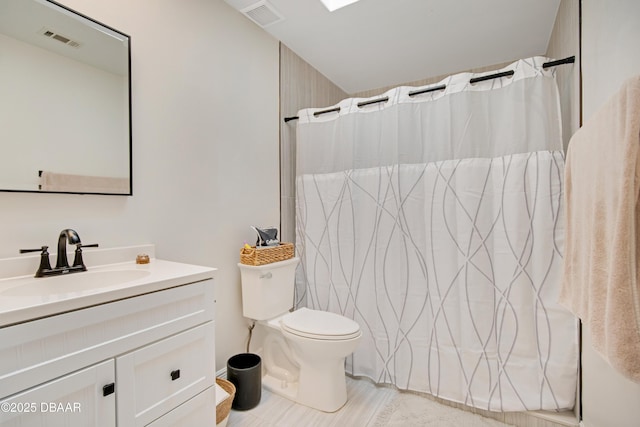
(320, 325)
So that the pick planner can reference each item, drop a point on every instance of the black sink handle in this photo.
(40, 249)
(44, 266)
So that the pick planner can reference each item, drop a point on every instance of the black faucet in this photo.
(62, 264)
(72, 237)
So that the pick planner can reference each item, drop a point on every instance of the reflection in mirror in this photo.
(64, 101)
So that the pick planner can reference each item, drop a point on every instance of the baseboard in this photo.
(221, 373)
(565, 418)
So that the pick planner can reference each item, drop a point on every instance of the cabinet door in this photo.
(76, 399)
(157, 378)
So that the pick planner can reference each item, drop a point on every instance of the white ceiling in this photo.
(374, 43)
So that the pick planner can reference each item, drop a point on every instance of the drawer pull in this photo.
(108, 389)
(175, 374)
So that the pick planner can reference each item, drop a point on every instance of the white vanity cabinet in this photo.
(142, 360)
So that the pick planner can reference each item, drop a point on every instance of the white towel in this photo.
(51, 181)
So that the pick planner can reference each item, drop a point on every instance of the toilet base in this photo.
(275, 385)
(290, 391)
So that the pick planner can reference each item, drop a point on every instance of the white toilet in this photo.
(304, 350)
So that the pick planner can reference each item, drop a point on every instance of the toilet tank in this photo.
(267, 290)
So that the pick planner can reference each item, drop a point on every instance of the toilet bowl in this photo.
(321, 341)
(304, 350)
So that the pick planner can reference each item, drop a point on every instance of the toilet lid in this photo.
(320, 325)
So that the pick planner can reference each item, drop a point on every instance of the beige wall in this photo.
(301, 86)
(610, 55)
(565, 42)
(205, 148)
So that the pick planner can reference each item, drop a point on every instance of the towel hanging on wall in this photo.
(601, 281)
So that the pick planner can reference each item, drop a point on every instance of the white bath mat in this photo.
(409, 410)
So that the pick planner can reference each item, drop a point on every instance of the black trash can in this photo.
(244, 370)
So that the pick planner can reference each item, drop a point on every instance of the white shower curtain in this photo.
(436, 222)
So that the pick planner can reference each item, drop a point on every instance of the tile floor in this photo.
(365, 401)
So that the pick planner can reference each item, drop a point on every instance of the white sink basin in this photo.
(74, 282)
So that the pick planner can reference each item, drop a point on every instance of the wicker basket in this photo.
(266, 255)
(224, 407)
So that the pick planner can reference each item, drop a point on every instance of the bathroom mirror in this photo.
(65, 101)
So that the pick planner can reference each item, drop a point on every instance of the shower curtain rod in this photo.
(568, 60)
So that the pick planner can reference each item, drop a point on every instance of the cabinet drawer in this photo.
(152, 380)
(199, 411)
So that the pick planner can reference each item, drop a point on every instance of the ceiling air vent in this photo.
(59, 37)
(262, 13)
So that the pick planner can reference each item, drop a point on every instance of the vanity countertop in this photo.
(25, 298)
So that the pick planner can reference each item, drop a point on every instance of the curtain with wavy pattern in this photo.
(435, 220)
